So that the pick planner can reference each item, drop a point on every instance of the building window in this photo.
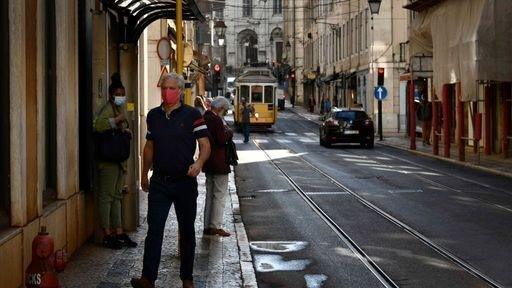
(279, 52)
(344, 40)
(50, 96)
(5, 191)
(247, 8)
(361, 32)
(366, 29)
(278, 6)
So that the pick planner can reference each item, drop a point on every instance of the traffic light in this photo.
(216, 73)
(292, 75)
(380, 76)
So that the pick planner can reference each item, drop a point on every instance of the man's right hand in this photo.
(144, 183)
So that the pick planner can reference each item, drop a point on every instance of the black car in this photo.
(346, 125)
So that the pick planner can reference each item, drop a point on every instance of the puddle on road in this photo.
(315, 280)
(270, 263)
(278, 246)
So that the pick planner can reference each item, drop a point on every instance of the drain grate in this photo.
(248, 197)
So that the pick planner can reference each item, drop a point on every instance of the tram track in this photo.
(433, 182)
(354, 247)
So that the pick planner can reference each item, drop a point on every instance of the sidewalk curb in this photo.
(450, 160)
(248, 274)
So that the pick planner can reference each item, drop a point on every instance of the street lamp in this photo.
(374, 6)
(220, 29)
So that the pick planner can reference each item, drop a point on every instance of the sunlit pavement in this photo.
(218, 260)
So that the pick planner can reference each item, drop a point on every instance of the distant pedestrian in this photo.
(311, 104)
(173, 129)
(292, 100)
(424, 114)
(326, 105)
(208, 103)
(111, 172)
(199, 104)
(217, 167)
(247, 111)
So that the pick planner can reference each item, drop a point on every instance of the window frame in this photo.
(252, 92)
(247, 8)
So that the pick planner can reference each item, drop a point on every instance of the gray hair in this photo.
(220, 103)
(174, 76)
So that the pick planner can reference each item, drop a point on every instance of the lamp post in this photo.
(374, 9)
(374, 6)
(220, 30)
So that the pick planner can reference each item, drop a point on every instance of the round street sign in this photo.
(164, 49)
(216, 67)
(380, 93)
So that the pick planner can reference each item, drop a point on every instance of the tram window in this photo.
(257, 94)
(269, 94)
(244, 92)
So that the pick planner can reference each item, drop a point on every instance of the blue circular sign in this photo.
(380, 92)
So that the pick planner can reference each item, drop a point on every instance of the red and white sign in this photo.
(216, 68)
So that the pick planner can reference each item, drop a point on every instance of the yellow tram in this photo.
(258, 87)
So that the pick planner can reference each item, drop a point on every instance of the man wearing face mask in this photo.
(217, 167)
(111, 175)
(173, 129)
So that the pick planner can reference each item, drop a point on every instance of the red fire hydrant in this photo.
(42, 271)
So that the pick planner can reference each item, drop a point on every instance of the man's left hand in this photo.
(194, 169)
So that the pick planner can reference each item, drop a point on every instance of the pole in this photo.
(505, 98)
(435, 125)
(294, 61)
(460, 124)
(380, 119)
(179, 36)
(489, 92)
(412, 115)
(447, 119)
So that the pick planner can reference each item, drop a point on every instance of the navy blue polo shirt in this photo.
(174, 138)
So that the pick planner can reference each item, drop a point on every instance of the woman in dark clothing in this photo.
(217, 167)
(111, 175)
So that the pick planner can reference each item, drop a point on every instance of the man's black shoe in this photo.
(111, 242)
(126, 241)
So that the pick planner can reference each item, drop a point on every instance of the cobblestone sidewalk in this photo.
(219, 262)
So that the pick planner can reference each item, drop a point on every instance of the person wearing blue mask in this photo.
(111, 175)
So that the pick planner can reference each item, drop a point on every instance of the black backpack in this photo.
(112, 145)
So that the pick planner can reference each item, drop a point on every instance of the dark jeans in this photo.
(162, 194)
(245, 129)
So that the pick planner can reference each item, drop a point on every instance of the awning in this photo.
(469, 41)
(330, 77)
(420, 5)
(136, 15)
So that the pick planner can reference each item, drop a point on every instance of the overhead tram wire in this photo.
(283, 8)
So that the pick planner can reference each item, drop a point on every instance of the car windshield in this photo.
(350, 115)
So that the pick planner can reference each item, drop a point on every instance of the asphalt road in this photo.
(464, 213)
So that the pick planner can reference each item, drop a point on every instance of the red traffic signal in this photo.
(380, 76)
(216, 68)
(292, 74)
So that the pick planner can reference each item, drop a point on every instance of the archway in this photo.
(247, 47)
(277, 47)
